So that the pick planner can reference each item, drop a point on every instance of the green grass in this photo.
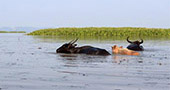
(12, 32)
(105, 32)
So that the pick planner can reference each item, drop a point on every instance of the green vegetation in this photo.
(105, 32)
(12, 32)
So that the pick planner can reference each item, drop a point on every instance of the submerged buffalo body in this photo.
(72, 49)
(135, 45)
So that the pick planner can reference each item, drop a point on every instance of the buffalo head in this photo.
(135, 45)
(67, 47)
(72, 49)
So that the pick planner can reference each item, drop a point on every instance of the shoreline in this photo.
(104, 32)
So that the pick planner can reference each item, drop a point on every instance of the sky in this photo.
(85, 13)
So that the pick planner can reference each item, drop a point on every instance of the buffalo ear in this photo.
(114, 46)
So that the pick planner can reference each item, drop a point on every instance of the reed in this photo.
(12, 32)
(105, 32)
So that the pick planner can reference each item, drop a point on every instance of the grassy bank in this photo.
(12, 32)
(105, 32)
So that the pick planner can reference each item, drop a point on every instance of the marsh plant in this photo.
(12, 32)
(105, 32)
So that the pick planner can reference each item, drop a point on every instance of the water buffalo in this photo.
(123, 51)
(72, 49)
(135, 45)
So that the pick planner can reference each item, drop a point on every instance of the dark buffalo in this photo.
(135, 45)
(72, 49)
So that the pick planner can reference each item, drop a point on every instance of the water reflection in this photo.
(120, 58)
(32, 63)
(99, 38)
(83, 58)
(68, 56)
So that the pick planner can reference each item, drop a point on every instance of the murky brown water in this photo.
(29, 63)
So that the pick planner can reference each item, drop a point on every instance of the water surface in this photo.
(30, 63)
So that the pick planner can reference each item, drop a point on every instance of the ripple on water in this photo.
(30, 63)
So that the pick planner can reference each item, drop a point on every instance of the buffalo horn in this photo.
(71, 41)
(128, 40)
(141, 41)
(74, 41)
